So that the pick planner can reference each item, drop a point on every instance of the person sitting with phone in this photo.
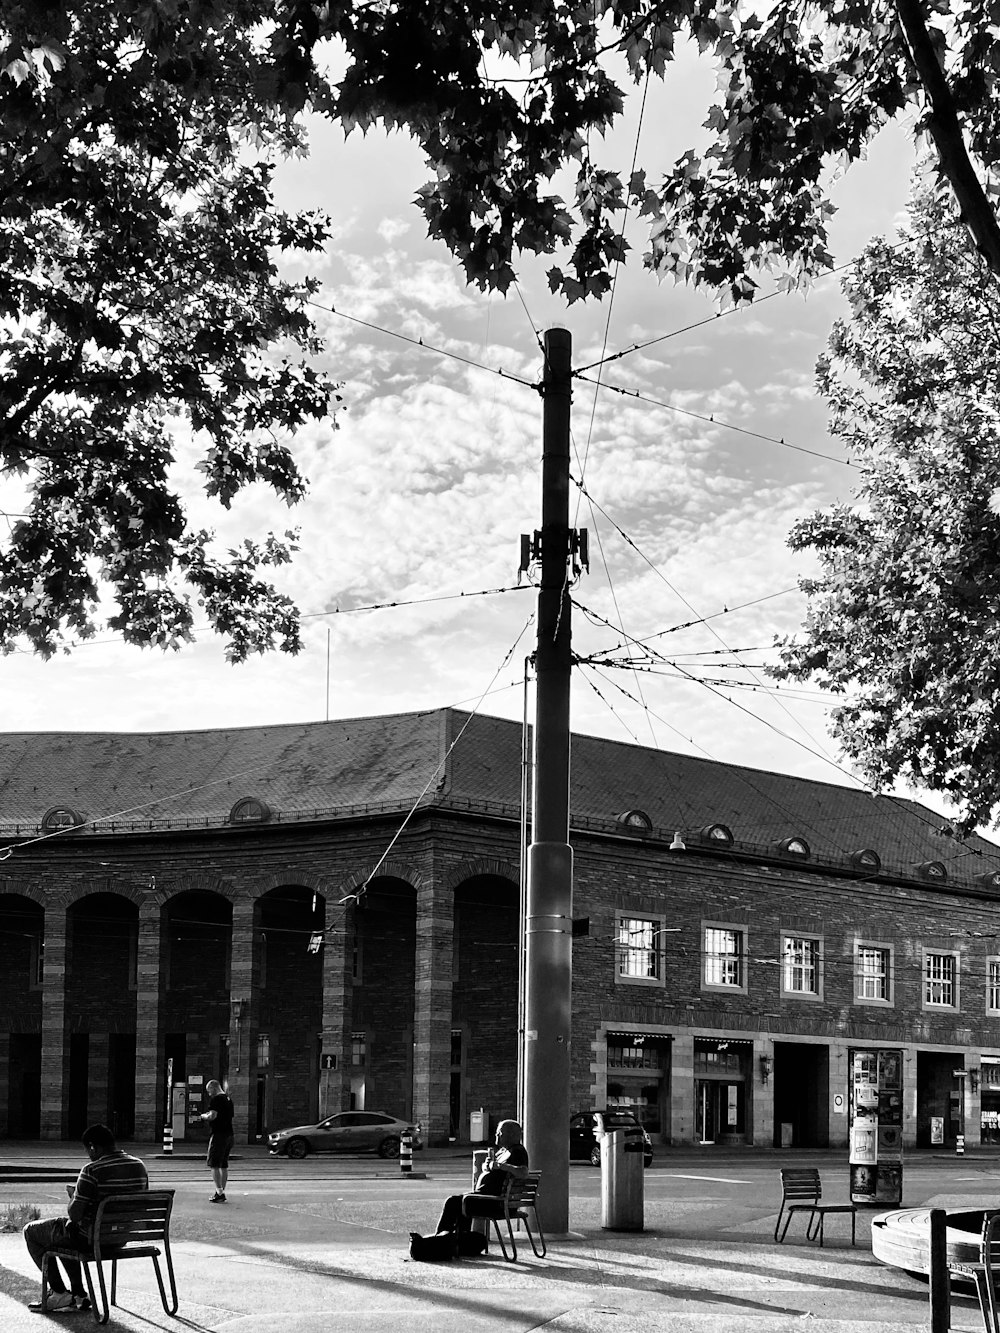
(508, 1157)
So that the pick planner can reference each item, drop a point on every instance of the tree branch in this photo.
(946, 130)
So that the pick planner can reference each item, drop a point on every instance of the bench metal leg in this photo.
(795, 1208)
(512, 1257)
(99, 1309)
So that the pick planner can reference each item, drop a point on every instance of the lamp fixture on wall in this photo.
(765, 1068)
(237, 1008)
(973, 1080)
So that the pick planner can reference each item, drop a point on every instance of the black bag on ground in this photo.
(432, 1249)
(471, 1244)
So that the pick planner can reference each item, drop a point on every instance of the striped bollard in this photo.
(405, 1153)
(960, 1146)
(168, 1140)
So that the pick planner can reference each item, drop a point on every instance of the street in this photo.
(684, 1193)
(321, 1245)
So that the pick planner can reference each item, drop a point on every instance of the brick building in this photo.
(326, 915)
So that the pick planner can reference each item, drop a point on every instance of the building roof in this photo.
(121, 782)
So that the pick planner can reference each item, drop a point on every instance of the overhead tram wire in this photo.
(714, 615)
(711, 629)
(75, 644)
(356, 896)
(611, 299)
(712, 420)
(742, 309)
(427, 347)
(738, 772)
(888, 797)
(582, 462)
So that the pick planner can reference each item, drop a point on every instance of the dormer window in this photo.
(932, 870)
(795, 847)
(720, 833)
(636, 820)
(59, 818)
(250, 810)
(866, 859)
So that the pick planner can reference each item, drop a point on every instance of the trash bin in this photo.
(477, 1126)
(621, 1180)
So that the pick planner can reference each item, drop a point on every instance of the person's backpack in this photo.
(434, 1249)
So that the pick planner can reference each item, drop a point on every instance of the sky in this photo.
(420, 486)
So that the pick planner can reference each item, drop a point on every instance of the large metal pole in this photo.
(549, 914)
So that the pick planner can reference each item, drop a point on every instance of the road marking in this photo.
(716, 1180)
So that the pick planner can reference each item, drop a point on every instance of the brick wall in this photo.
(485, 993)
(199, 877)
(383, 1002)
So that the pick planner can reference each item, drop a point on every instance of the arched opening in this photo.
(484, 1001)
(195, 970)
(384, 968)
(22, 926)
(283, 1047)
(102, 938)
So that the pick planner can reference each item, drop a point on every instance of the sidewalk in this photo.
(296, 1265)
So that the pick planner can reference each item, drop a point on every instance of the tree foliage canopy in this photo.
(139, 289)
(801, 89)
(139, 239)
(903, 620)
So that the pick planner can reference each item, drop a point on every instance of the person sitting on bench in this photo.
(109, 1171)
(508, 1158)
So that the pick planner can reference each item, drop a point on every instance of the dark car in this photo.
(584, 1143)
(347, 1131)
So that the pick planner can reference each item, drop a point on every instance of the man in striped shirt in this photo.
(109, 1171)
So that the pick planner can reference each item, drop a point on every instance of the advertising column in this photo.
(876, 1121)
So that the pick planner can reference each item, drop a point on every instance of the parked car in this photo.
(584, 1143)
(347, 1131)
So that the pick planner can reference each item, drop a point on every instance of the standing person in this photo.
(508, 1157)
(109, 1171)
(220, 1143)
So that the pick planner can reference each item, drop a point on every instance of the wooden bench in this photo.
(983, 1273)
(802, 1192)
(126, 1226)
(518, 1203)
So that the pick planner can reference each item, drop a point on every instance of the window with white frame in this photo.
(940, 988)
(801, 966)
(724, 952)
(993, 985)
(873, 974)
(639, 949)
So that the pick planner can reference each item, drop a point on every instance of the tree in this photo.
(139, 289)
(138, 240)
(804, 88)
(902, 619)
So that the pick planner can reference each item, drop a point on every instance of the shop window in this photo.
(724, 955)
(802, 966)
(993, 985)
(873, 974)
(639, 949)
(940, 985)
(636, 1054)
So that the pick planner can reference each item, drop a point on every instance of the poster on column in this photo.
(876, 1126)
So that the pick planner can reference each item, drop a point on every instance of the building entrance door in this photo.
(720, 1110)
